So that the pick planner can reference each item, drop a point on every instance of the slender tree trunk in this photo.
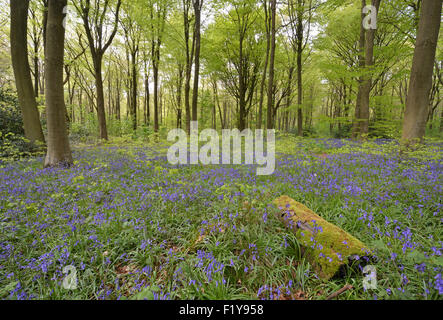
(59, 152)
(361, 63)
(22, 70)
(271, 101)
(431, 117)
(100, 98)
(134, 91)
(109, 111)
(241, 103)
(289, 97)
(189, 61)
(197, 11)
(222, 113)
(299, 68)
(299, 92)
(155, 69)
(441, 121)
(417, 103)
(160, 98)
(148, 103)
(187, 106)
(45, 23)
(36, 60)
(80, 105)
(98, 46)
(265, 71)
(179, 95)
(367, 82)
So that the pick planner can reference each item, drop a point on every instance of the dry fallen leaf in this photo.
(124, 270)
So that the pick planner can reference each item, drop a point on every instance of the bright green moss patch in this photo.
(330, 249)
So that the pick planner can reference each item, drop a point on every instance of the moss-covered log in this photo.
(330, 250)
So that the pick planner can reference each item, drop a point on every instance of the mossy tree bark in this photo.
(331, 250)
(22, 70)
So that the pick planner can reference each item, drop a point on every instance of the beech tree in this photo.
(300, 17)
(59, 151)
(197, 26)
(190, 50)
(22, 70)
(243, 64)
(237, 56)
(157, 11)
(271, 101)
(366, 81)
(361, 64)
(132, 36)
(267, 20)
(417, 103)
(94, 17)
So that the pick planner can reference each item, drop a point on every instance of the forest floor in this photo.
(134, 226)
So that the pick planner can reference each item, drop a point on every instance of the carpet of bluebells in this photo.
(135, 227)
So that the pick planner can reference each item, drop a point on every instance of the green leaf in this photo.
(380, 245)
(416, 257)
(11, 286)
(146, 294)
(437, 260)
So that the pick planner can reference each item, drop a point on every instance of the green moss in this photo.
(329, 248)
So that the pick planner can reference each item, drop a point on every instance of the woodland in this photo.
(91, 209)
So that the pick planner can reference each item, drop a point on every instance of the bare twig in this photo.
(339, 292)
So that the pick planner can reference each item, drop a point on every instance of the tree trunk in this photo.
(179, 95)
(134, 91)
(100, 98)
(155, 69)
(22, 70)
(80, 105)
(187, 94)
(36, 60)
(441, 121)
(148, 104)
(330, 250)
(189, 60)
(241, 121)
(98, 46)
(361, 62)
(263, 81)
(289, 98)
(367, 82)
(117, 106)
(197, 11)
(59, 152)
(299, 68)
(299, 93)
(271, 102)
(417, 102)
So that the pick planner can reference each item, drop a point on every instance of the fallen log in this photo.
(331, 251)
